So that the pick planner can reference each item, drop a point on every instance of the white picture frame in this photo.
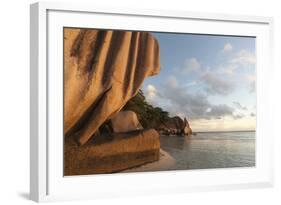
(47, 182)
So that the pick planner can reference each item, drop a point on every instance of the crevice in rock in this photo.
(86, 116)
(75, 49)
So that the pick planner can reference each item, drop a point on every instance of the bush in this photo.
(149, 116)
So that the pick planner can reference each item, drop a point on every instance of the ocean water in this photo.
(211, 150)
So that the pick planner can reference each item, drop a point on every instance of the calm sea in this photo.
(211, 150)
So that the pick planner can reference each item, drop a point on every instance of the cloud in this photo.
(191, 65)
(151, 90)
(192, 105)
(238, 116)
(152, 94)
(252, 83)
(251, 78)
(216, 84)
(172, 81)
(228, 70)
(182, 101)
(217, 111)
(252, 115)
(213, 80)
(191, 84)
(239, 106)
(227, 47)
(252, 87)
(244, 57)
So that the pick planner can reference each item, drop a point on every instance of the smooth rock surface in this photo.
(125, 121)
(121, 151)
(102, 71)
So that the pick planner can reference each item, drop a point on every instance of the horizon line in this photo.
(225, 131)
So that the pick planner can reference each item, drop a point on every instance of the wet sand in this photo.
(165, 162)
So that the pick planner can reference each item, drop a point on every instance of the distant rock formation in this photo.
(175, 126)
(103, 69)
(187, 129)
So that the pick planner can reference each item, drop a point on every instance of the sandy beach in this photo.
(166, 161)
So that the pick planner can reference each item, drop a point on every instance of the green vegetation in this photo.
(149, 116)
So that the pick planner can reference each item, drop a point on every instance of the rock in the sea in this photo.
(122, 151)
(125, 121)
(187, 130)
(175, 126)
(103, 69)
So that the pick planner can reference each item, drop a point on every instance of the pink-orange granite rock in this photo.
(102, 71)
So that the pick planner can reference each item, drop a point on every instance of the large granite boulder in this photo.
(103, 69)
(117, 152)
(125, 121)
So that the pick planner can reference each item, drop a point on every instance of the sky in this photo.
(208, 79)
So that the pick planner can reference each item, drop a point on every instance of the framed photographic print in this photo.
(127, 102)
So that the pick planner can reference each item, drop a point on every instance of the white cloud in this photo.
(227, 47)
(244, 57)
(219, 111)
(214, 80)
(180, 100)
(191, 65)
(238, 116)
(151, 94)
(239, 106)
(172, 82)
(151, 90)
(252, 83)
(191, 84)
(252, 87)
(229, 70)
(217, 85)
(251, 78)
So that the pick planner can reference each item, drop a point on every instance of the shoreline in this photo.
(165, 162)
(228, 131)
